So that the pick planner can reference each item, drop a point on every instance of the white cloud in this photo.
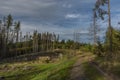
(75, 16)
(72, 16)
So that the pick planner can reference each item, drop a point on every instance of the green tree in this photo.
(115, 42)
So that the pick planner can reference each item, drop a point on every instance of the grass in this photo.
(92, 73)
(114, 69)
(36, 71)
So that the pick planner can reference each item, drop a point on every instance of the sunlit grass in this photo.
(37, 71)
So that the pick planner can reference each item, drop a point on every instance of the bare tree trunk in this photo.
(20, 36)
(110, 27)
(94, 29)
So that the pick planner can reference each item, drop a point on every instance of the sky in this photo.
(62, 17)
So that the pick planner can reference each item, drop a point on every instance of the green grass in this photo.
(115, 68)
(50, 71)
(92, 73)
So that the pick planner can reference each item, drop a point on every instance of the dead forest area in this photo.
(44, 56)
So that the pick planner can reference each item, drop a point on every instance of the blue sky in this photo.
(59, 16)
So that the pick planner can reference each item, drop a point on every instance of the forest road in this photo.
(77, 72)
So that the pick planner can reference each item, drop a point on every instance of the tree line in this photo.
(14, 43)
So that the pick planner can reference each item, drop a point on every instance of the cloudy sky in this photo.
(59, 16)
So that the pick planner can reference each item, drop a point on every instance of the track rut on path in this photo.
(77, 72)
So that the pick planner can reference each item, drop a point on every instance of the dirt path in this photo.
(77, 72)
(106, 76)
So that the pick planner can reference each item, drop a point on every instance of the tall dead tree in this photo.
(101, 14)
(17, 29)
(47, 40)
(53, 41)
(35, 41)
(76, 38)
(94, 28)
(20, 36)
(109, 25)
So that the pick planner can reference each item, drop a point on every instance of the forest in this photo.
(45, 56)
